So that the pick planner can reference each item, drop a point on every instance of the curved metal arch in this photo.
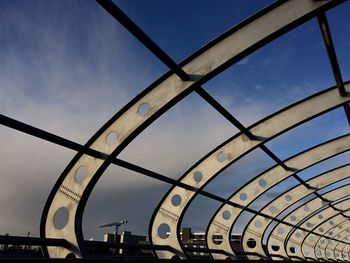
(338, 233)
(159, 97)
(234, 149)
(346, 251)
(272, 176)
(329, 214)
(293, 235)
(162, 215)
(331, 245)
(342, 245)
(301, 214)
(289, 198)
(324, 231)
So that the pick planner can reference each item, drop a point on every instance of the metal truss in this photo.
(283, 202)
(305, 233)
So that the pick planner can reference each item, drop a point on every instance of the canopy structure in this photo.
(306, 222)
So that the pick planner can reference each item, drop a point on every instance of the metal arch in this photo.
(302, 212)
(171, 218)
(328, 213)
(328, 226)
(287, 199)
(346, 251)
(272, 176)
(322, 243)
(322, 229)
(268, 128)
(159, 97)
(332, 245)
(337, 251)
(278, 237)
(341, 245)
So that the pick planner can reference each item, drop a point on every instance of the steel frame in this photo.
(289, 198)
(187, 77)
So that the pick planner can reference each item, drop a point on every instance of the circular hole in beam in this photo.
(221, 157)
(71, 255)
(197, 176)
(262, 183)
(251, 243)
(243, 196)
(61, 217)
(226, 215)
(81, 173)
(143, 109)
(280, 230)
(258, 224)
(275, 247)
(176, 200)
(111, 138)
(288, 198)
(163, 231)
(217, 239)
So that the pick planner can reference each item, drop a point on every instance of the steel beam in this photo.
(304, 217)
(289, 198)
(71, 194)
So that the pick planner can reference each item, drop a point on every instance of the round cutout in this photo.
(164, 231)
(61, 217)
(81, 173)
(226, 215)
(275, 247)
(280, 230)
(308, 224)
(306, 209)
(288, 198)
(217, 239)
(111, 138)
(293, 218)
(71, 255)
(176, 200)
(243, 196)
(197, 176)
(320, 216)
(298, 235)
(221, 157)
(331, 223)
(251, 243)
(292, 250)
(258, 224)
(307, 251)
(272, 209)
(262, 183)
(143, 109)
(321, 229)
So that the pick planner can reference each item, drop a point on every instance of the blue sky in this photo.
(68, 66)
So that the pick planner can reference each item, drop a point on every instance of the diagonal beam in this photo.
(137, 32)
